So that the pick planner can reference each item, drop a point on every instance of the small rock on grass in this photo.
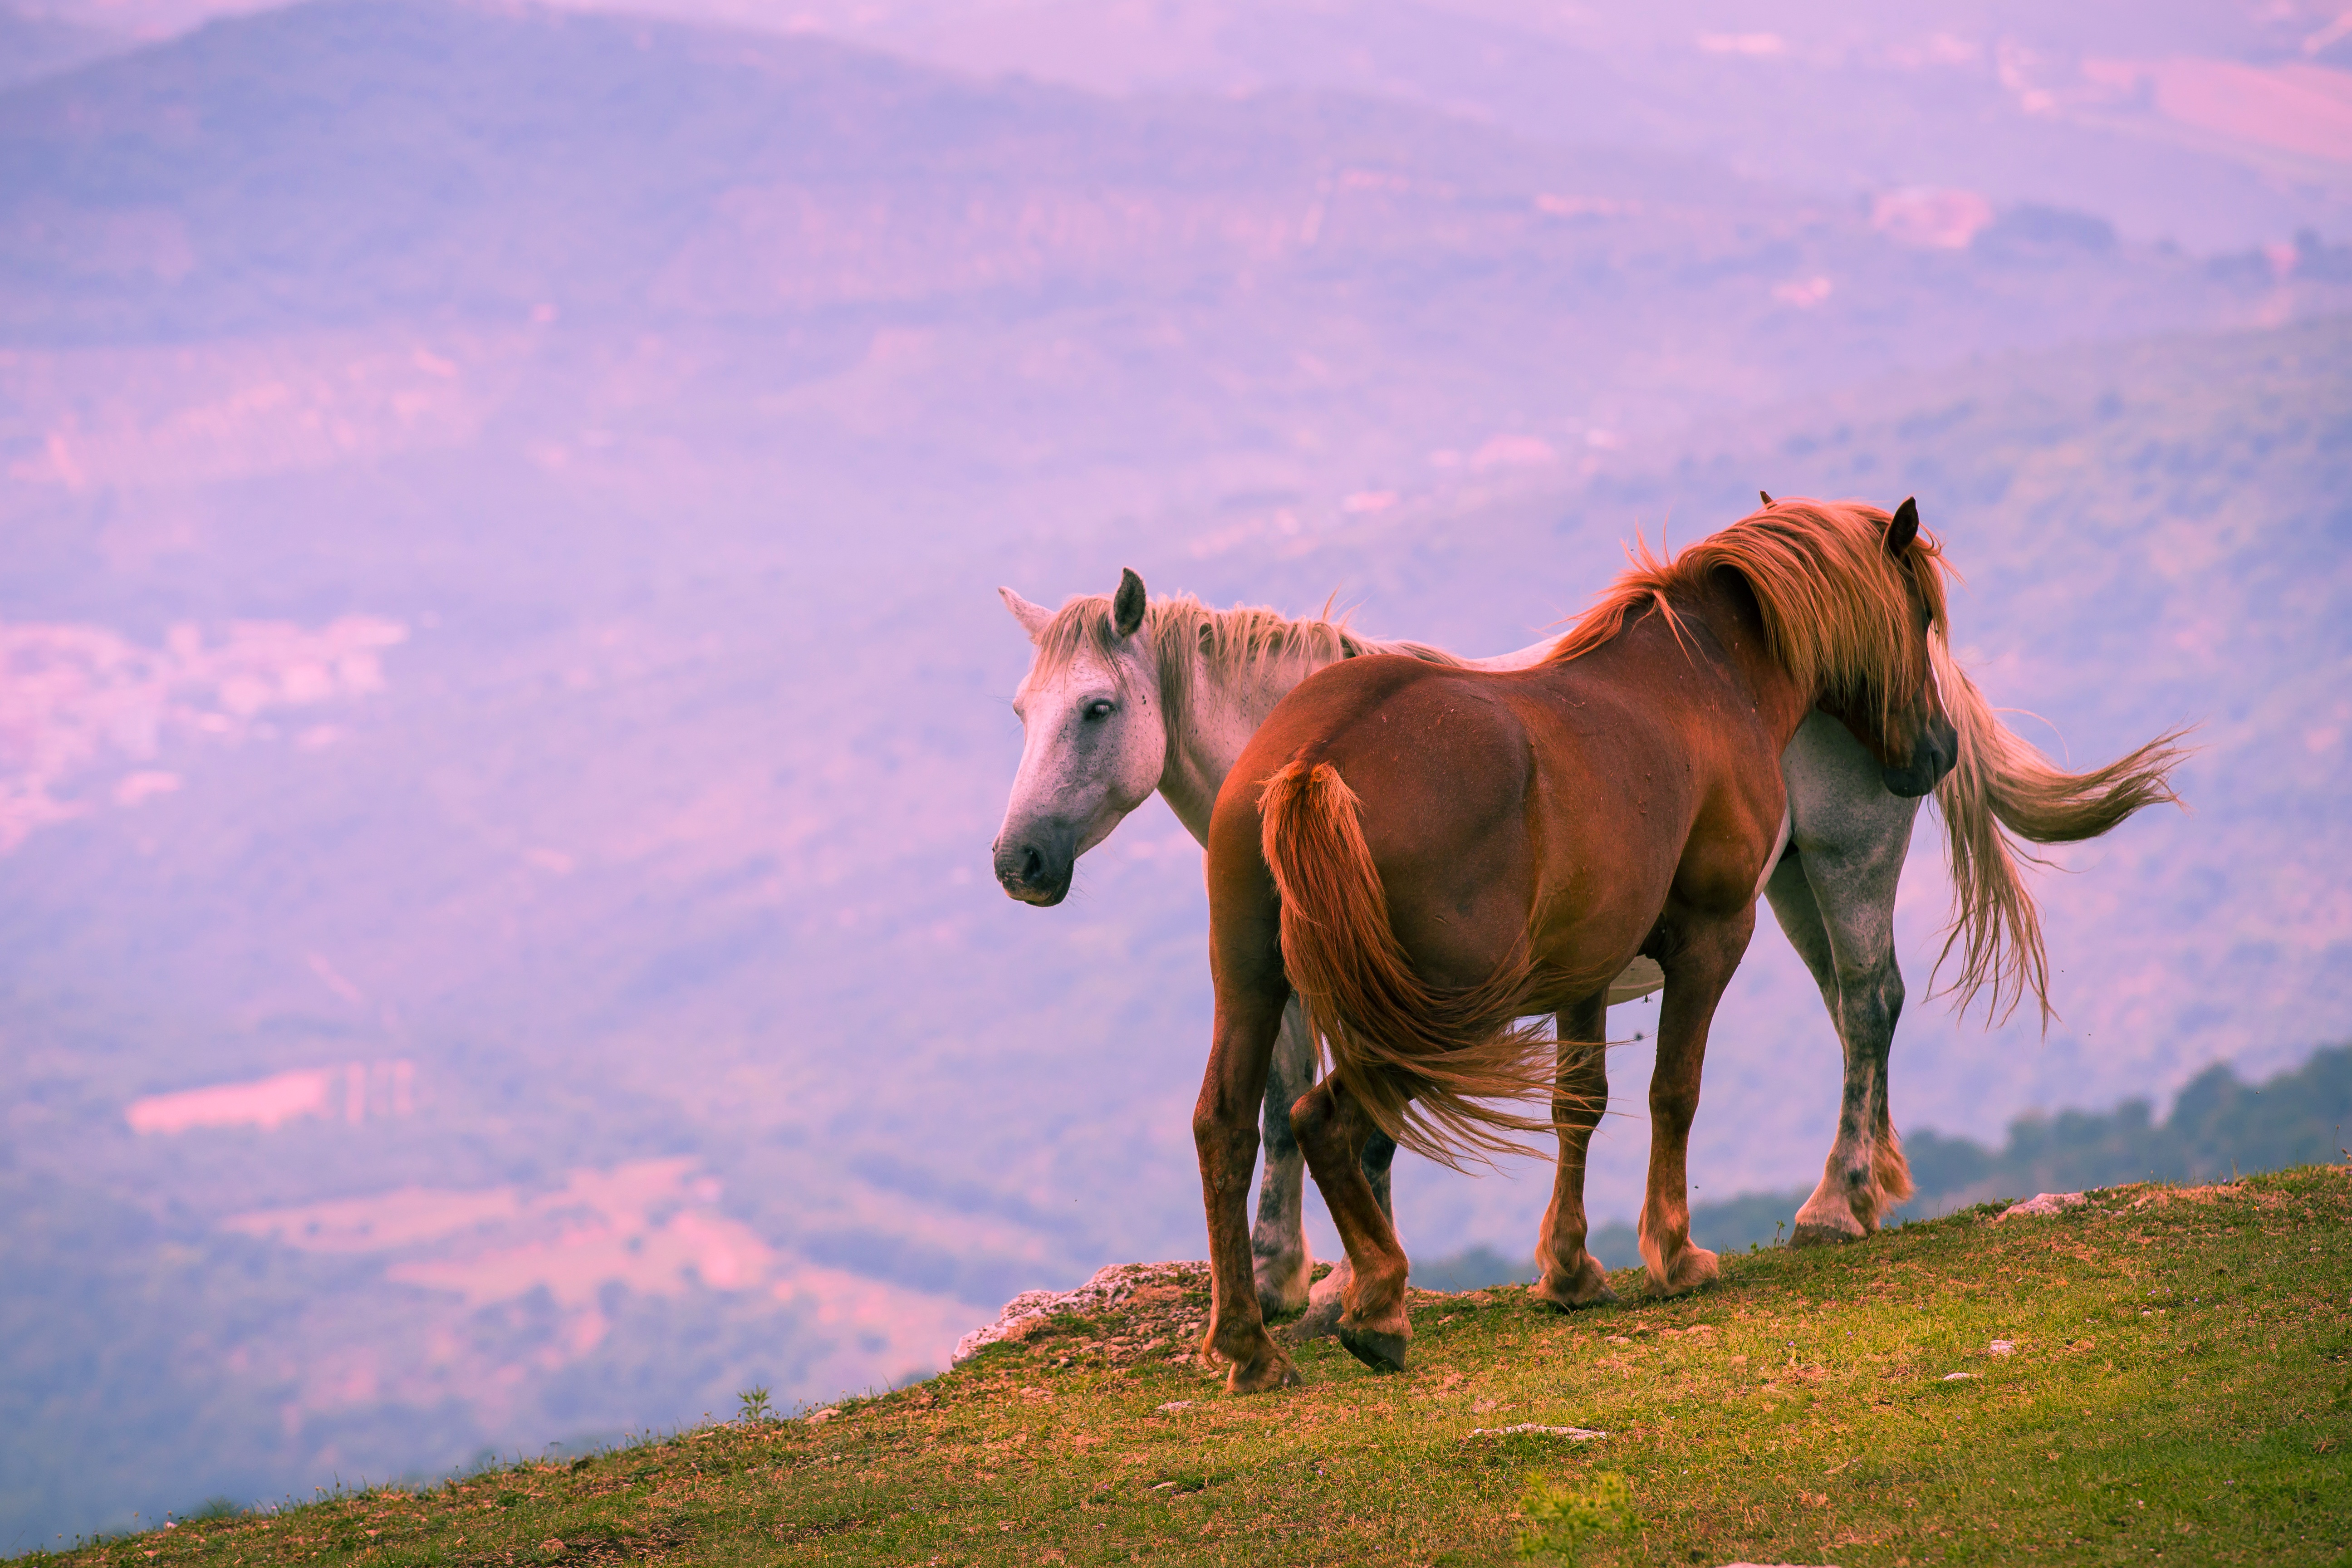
(2042, 1205)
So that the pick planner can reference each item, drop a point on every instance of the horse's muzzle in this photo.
(1035, 868)
(1933, 755)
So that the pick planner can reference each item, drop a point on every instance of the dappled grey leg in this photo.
(1829, 1214)
(1280, 1259)
(1835, 898)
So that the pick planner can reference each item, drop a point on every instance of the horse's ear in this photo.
(1765, 496)
(1034, 618)
(1127, 604)
(1904, 528)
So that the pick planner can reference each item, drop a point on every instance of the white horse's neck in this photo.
(1220, 713)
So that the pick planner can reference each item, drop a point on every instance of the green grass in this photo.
(2180, 1391)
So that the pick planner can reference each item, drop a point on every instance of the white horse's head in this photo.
(1094, 738)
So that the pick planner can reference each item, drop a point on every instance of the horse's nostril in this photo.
(1035, 869)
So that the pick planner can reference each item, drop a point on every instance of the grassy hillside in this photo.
(2177, 1380)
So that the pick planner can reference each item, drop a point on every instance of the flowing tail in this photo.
(1423, 1063)
(2003, 791)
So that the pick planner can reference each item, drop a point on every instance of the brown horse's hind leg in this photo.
(1328, 1297)
(1225, 1132)
(1571, 1276)
(1332, 1129)
(1698, 964)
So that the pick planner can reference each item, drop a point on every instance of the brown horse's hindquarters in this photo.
(1457, 897)
(1410, 943)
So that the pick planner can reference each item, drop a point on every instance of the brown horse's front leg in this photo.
(1331, 1128)
(1225, 1132)
(1571, 1276)
(1698, 966)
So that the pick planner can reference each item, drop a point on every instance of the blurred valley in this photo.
(503, 700)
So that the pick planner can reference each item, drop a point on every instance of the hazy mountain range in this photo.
(2214, 125)
(503, 709)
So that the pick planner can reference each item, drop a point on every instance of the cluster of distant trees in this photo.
(2219, 1128)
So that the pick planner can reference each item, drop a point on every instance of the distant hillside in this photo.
(32, 47)
(350, 163)
(349, 160)
(2061, 106)
(2214, 126)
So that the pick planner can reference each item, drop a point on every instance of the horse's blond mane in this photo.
(1839, 619)
(1233, 645)
(1839, 615)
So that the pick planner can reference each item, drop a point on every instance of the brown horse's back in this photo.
(1536, 807)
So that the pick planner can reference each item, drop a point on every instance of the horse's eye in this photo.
(1099, 708)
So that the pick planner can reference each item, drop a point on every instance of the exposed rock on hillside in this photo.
(1159, 1297)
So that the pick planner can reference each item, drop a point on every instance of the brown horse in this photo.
(1429, 854)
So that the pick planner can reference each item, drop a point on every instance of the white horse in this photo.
(1126, 695)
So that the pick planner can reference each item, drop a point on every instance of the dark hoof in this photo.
(1268, 1369)
(1693, 1268)
(1320, 1321)
(1597, 1294)
(1809, 1235)
(1376, 1349)
(1587, 1287)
